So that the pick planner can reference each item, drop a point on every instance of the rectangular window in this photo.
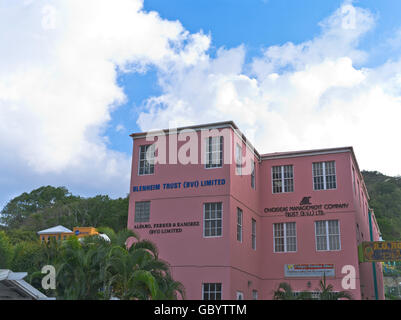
(353, 180)
(285, 237)
(253, 234)
(146, 159)
(282, 179)
(324, 175)
(142, 211)
(239, 224)
(327, 235)
(254, 294)
(211, 291)
(212, 219)
(253, 178)
(214, 152)
(238, 159)
(240, 295)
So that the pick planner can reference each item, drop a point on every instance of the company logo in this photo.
(305, 201)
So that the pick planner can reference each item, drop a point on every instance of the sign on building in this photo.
(379, 251)
(309, 270)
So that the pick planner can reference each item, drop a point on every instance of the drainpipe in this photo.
(373, 263)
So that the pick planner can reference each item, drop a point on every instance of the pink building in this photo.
(234, 223)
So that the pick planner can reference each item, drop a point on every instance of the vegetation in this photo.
(92, 268)
(95, 269)
(385, 200)
(325, 292)
(87, 268)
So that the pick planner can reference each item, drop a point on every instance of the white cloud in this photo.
(315, 94)
(58, 70)
(59, 62)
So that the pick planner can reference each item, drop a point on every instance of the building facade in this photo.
(63, 233)
(234, 224)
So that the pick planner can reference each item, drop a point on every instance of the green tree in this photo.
(6, 251)
(93, 268)
(327, 292)
(20, 208)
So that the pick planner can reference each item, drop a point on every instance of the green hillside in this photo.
(385, 199)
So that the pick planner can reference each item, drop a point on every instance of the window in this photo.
(253, 234)
(324, 175)
(285, 237)
(146, 159)
(142, 211)
(353, 179)
(254, 294)
(211, 291)
(212, 219)
(315, 295)
(327, 235)
(238, 159)
(239, 224)
(214, 152)
(240, 295)
(282, 179)
(253, 178)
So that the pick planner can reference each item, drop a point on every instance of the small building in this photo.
(63, 233)
(13, 287)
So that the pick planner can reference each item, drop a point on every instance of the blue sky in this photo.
(78, 77)
(256, 24)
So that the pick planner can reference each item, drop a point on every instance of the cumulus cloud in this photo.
(314, 94)
(59, 61)
(58, 67)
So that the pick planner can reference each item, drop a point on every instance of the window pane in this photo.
(142, 211)
(146, 159)
(212, 219)
(214, 152)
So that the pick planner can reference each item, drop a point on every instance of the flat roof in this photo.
(266, 156)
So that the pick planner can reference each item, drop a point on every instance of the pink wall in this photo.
(195, 259)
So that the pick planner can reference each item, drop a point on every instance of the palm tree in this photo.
(137, 272)
(327, 293)
(92, 268)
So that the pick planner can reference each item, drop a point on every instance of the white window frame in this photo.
(204, 224)
(220, 152)
(328, 235)
(285, 238)
(135, 217)
(253, 234)
(240, 295)
(152, 159)
(215, 291)
(324, 175)
(240, 220)
(282, 167)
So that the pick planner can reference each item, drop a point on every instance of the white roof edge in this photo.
(304, 154)
(56, 229)
(16, 278)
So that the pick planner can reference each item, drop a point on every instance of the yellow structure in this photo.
(62, 233)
